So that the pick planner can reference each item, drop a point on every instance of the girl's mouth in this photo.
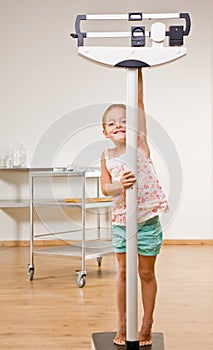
(119, 132)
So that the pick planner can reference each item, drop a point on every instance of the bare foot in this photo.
(145, 334)
(119, 340)
(145, 342)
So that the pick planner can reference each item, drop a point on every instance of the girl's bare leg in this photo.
(149, 291)
(121, 299)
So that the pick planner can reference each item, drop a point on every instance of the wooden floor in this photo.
(51, 312)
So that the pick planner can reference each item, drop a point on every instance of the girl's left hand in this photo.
(128, 179)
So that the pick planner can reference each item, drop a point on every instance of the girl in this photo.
(116, 178)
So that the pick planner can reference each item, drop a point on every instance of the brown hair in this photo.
(115, 105)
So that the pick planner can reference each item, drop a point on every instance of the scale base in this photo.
(104, 341)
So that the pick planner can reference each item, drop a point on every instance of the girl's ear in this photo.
(105, 133)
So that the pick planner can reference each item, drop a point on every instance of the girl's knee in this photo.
(121, 266)
(122, 273)
(146, 275)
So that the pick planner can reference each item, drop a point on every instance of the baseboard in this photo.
(187, 241)
(56, 242)
(37, 243)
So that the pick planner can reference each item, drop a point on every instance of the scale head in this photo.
(147, 48)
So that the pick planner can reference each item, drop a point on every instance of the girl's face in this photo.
(115, 124)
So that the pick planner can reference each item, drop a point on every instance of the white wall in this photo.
(43, 81)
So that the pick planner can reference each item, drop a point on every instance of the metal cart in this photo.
(86, 249)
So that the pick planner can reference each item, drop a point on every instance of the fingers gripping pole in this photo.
(131, 210)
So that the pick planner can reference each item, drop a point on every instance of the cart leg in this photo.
(31, 268)
(81, 274)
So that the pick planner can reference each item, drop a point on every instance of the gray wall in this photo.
(43, 80)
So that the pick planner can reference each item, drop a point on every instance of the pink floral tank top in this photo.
(151, 198)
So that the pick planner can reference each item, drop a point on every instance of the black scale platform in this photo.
(104, 341)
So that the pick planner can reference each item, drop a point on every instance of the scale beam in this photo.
(175, 33)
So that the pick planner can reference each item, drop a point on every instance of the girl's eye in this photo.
(123, 121)
(110, 124)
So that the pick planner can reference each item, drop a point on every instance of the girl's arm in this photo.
(110, 188)
(107, 187)
(142, 132)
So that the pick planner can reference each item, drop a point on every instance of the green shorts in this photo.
(149, 237)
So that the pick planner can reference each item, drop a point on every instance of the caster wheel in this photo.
(31, 273)
(80, 278)
(99, 260)
(81, 282)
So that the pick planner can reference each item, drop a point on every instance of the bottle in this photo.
(23, 156)
(19, 155)
(16, 155)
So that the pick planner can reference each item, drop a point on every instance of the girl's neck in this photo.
(119, 149)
